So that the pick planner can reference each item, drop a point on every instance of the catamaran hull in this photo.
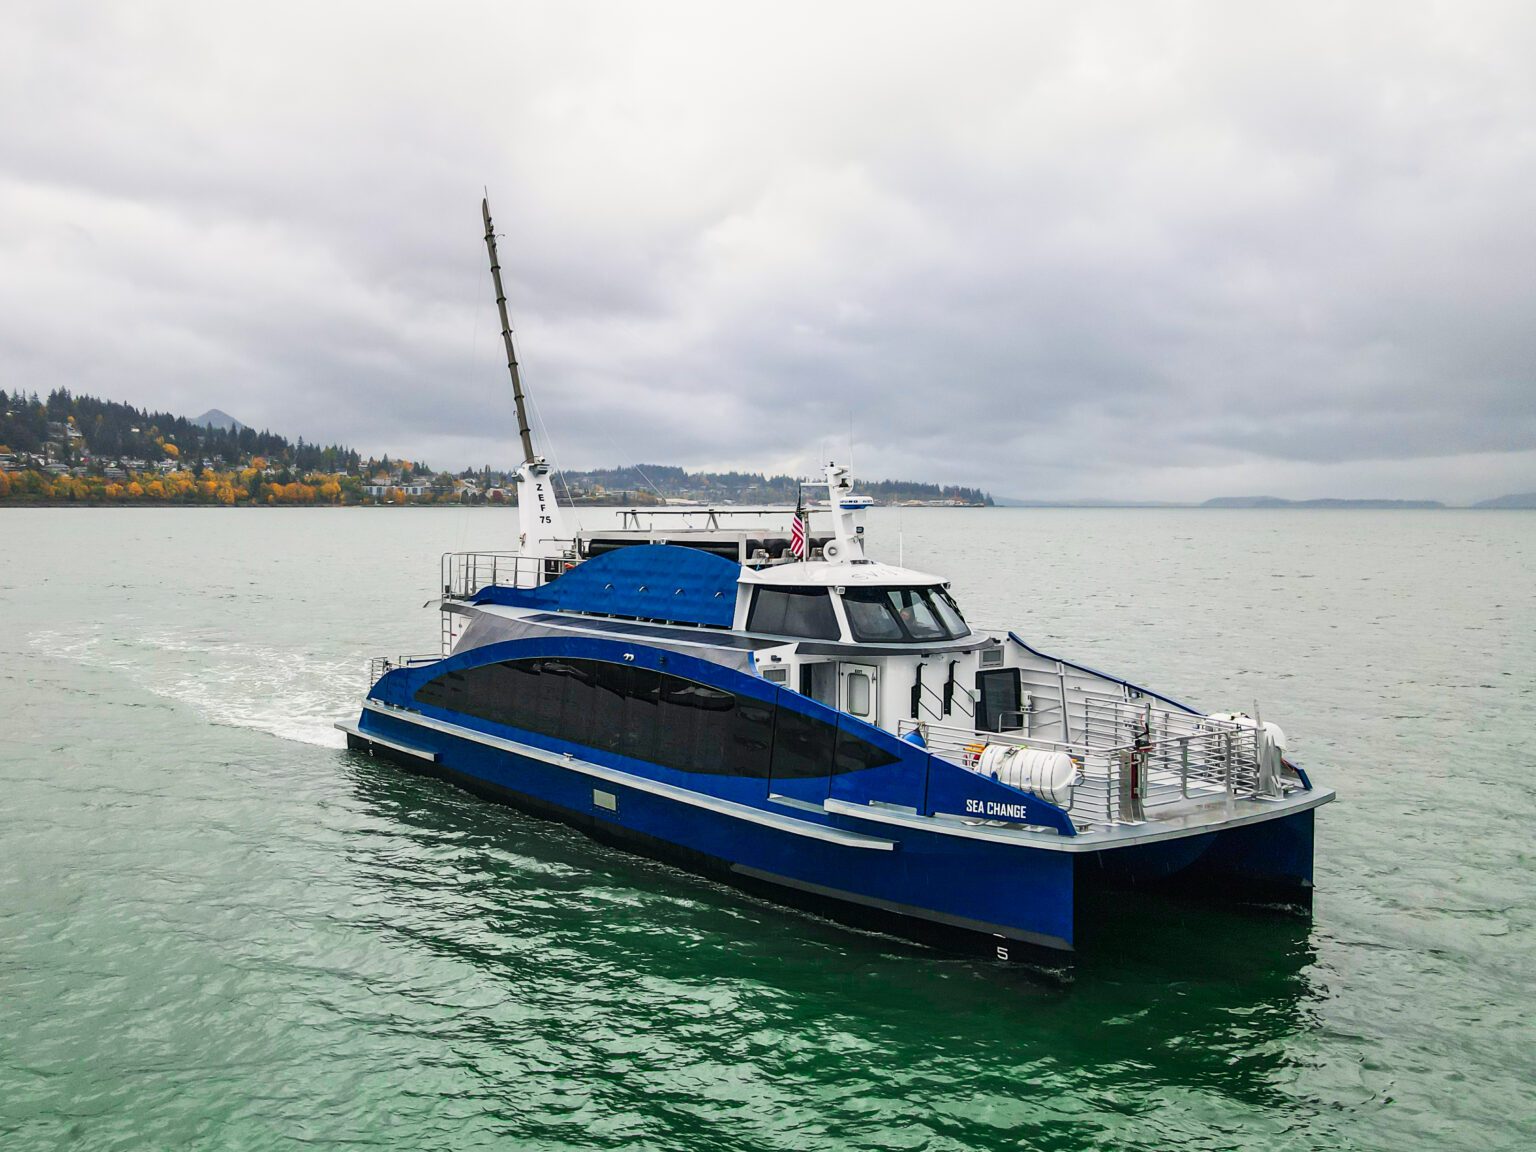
(1000, 901)
(1268, 862)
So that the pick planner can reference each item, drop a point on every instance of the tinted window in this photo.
(563, 699)
(636, 712)
(751, 738)
(642, 714)
(998, 708)
(803, 612)
(885, 614)
(802, 746)
(949, 612)
(610, 690)
(870, 616)
(854, 753)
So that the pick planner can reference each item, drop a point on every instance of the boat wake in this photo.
(293, 695)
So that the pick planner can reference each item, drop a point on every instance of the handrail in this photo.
(1132, 756)
(938, 707)
(379, 665)
(466, 573)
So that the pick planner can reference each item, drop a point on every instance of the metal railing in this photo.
(379, 665)
(465, 573)
(644, 519)
(1133, 759)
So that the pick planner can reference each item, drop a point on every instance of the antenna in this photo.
(506, 336)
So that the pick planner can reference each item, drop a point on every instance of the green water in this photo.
(220, 930)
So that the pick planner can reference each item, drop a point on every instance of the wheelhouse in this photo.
(866, 603)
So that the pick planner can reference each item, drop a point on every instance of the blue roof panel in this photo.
(643, 581)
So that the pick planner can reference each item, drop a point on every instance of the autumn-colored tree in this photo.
(398, 496)
(114, 491)
(135, 490)
(171, 450)
(5, 485)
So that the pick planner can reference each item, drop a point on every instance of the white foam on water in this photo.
(290, 694)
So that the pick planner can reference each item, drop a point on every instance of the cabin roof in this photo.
(828, 574)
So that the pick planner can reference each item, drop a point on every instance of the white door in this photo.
(858, 691)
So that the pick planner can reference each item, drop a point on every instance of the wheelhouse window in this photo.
(884, 615)
(803, 612)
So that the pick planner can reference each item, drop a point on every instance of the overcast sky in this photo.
(1132, 250)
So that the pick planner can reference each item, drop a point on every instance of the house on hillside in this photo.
(385, 487)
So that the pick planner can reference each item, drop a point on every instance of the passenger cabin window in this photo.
(886, 615)
(803, 612)
(653, 716)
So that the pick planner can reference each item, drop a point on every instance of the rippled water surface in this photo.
(218, 929)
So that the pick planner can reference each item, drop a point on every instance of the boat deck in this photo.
(1139, 763)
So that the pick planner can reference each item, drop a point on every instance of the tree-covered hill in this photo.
(79, 449)
(669, 482)
(111, 431)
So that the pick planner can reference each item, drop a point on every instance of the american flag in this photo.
(799, 538)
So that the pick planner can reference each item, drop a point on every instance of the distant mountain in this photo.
(1331, 502)
(215, 418)
(1516, 500)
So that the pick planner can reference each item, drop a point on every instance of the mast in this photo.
(541, 523)
(506, 337)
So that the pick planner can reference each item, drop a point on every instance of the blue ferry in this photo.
(747, 694)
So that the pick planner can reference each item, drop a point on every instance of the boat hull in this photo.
(1267, 862)
(1000, 901)
(974, 897)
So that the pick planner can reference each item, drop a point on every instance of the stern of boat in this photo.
(1163, 798)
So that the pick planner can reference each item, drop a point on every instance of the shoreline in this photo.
(131, 504)
(460, 507)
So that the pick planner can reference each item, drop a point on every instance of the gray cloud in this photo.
(1053, 250)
